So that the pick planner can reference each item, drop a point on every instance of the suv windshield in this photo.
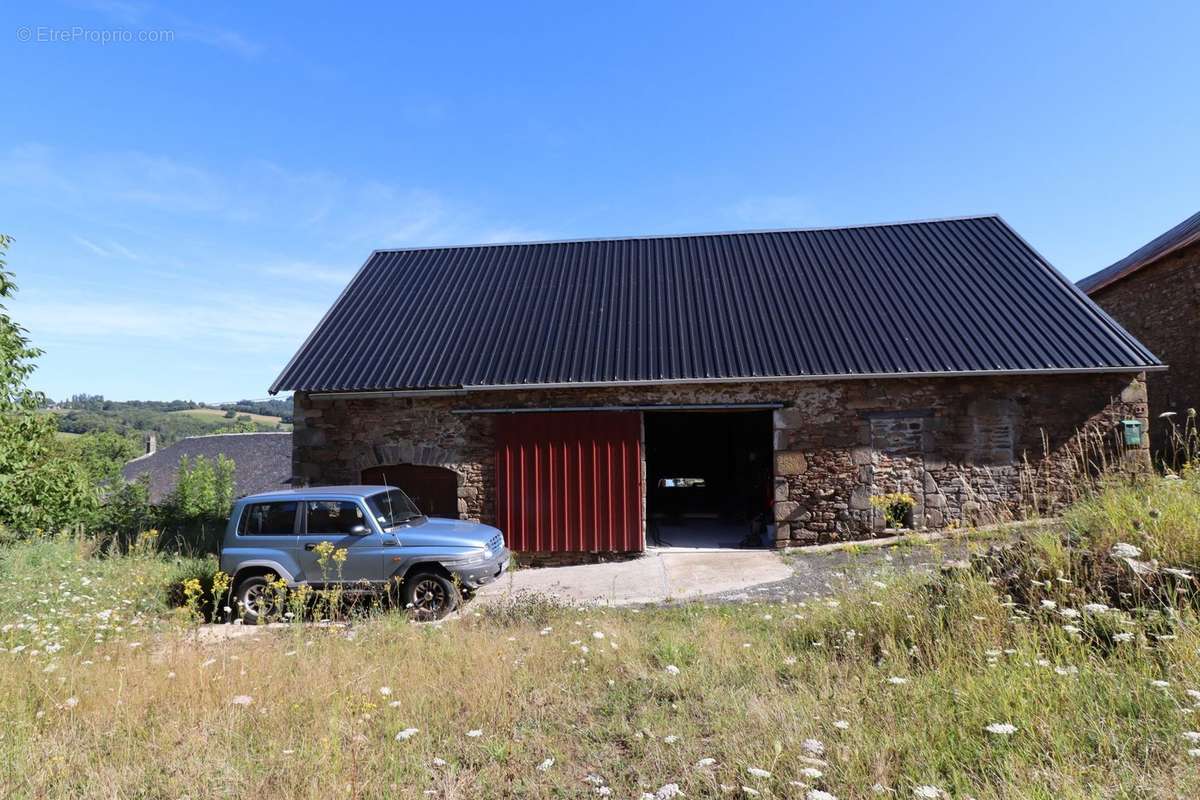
(392, 508)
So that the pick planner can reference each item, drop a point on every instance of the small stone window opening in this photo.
(897, 509)
(681, 483)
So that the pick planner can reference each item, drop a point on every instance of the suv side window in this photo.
(333, 516)
(268, 519)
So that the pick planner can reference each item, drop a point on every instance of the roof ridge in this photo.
(699, 234)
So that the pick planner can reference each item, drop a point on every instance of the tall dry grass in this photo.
(894, 686)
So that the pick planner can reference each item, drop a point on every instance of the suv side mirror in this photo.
(360, 530)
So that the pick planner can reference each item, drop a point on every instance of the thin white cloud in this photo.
(308, 272)
(775, 210)
(92, 246)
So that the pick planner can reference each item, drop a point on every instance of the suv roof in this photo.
(318, 491)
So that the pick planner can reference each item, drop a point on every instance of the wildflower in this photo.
(896, 680)
(1049, 604)
(71, 702)
(545, 765)
(439, 762)
(671, 669)
(813, 746)
(385, 690)
(746, 790)
(475, 734)
(1125, 550)
(594, 779)
(927, 792)
(841, 725)
(597, 635)
(1192, 736)
(1160, 684)
(1001, 728)
(1123, 636)
(758, 773)
(1074, 630)
(1069, 613)
(879, 788)
(817, 794)
(811, 772)
(604, 791)
(1071, 670)
(672, 739)
(1095, 608)
(667, 791)
(242, 700)
(705, 762)
(545, 631)
(407, 734)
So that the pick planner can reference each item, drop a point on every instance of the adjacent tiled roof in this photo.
(1182, 235)
(946, 296)
(262, 462)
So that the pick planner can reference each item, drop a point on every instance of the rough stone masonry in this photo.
(969, 450)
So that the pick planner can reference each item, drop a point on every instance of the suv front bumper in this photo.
(476, 575)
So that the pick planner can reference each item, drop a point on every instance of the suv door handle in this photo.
(389, 542)
(310, 546)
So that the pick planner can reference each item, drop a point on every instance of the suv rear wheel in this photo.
(257, 600)
(428, 595)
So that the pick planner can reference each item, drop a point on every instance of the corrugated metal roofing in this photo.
(1182, 235)
(946, 296)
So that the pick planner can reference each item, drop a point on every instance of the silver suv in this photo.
(379, 541)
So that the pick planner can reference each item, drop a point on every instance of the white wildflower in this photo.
(545, 765)
(811, 772)
(71, 702)
(813, 746)
(1123, 636)
(597, 634)
(896, 680)
(1001, 728)
(879, 788)
(439, 762)
(746, 790)
(671, 669)
(671, 739)
(1069, 613)
(1095, 608)
(604, 791)
(758, 773)
(841, 725)
(385, 690)
(927, 792)
(394, 704)
(407, 733)
(1194, 752)
(242, 700)
(1160, 684)
(475, 733)
(1049, 604)
(1125, 550)
(705, 762)
(1192, 736)
(817, 794)
(667, 791)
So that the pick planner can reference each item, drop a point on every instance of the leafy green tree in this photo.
(101, 454)
(195, 513)
(38, 488)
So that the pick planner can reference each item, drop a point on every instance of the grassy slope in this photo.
(754, 682)
(219, 413)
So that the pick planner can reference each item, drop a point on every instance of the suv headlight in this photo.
(477, 557)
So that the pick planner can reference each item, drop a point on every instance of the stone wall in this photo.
(969, 450)
(1160, 305)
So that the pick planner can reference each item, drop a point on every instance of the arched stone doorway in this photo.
(433, 489)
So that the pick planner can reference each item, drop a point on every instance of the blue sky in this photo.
(185, 210)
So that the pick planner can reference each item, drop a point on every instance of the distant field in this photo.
(219, 413)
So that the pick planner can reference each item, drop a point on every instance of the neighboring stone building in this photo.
(262, 462)
(1155, 293)
(598, 396)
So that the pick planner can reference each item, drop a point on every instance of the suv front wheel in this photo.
(429, 595)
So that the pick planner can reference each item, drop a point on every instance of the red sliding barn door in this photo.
(569, 481)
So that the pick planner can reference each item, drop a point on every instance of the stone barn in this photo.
(719, 390)
(1155, 293)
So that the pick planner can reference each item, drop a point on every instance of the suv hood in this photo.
(450, 532)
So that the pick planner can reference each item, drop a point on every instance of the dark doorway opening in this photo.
(709, 478)
(433, 489)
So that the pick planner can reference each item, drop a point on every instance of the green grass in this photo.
(219, 413)
(150, 709)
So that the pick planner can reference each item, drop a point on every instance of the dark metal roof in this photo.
(262, 462)
(1182, 235)
(918, 298)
